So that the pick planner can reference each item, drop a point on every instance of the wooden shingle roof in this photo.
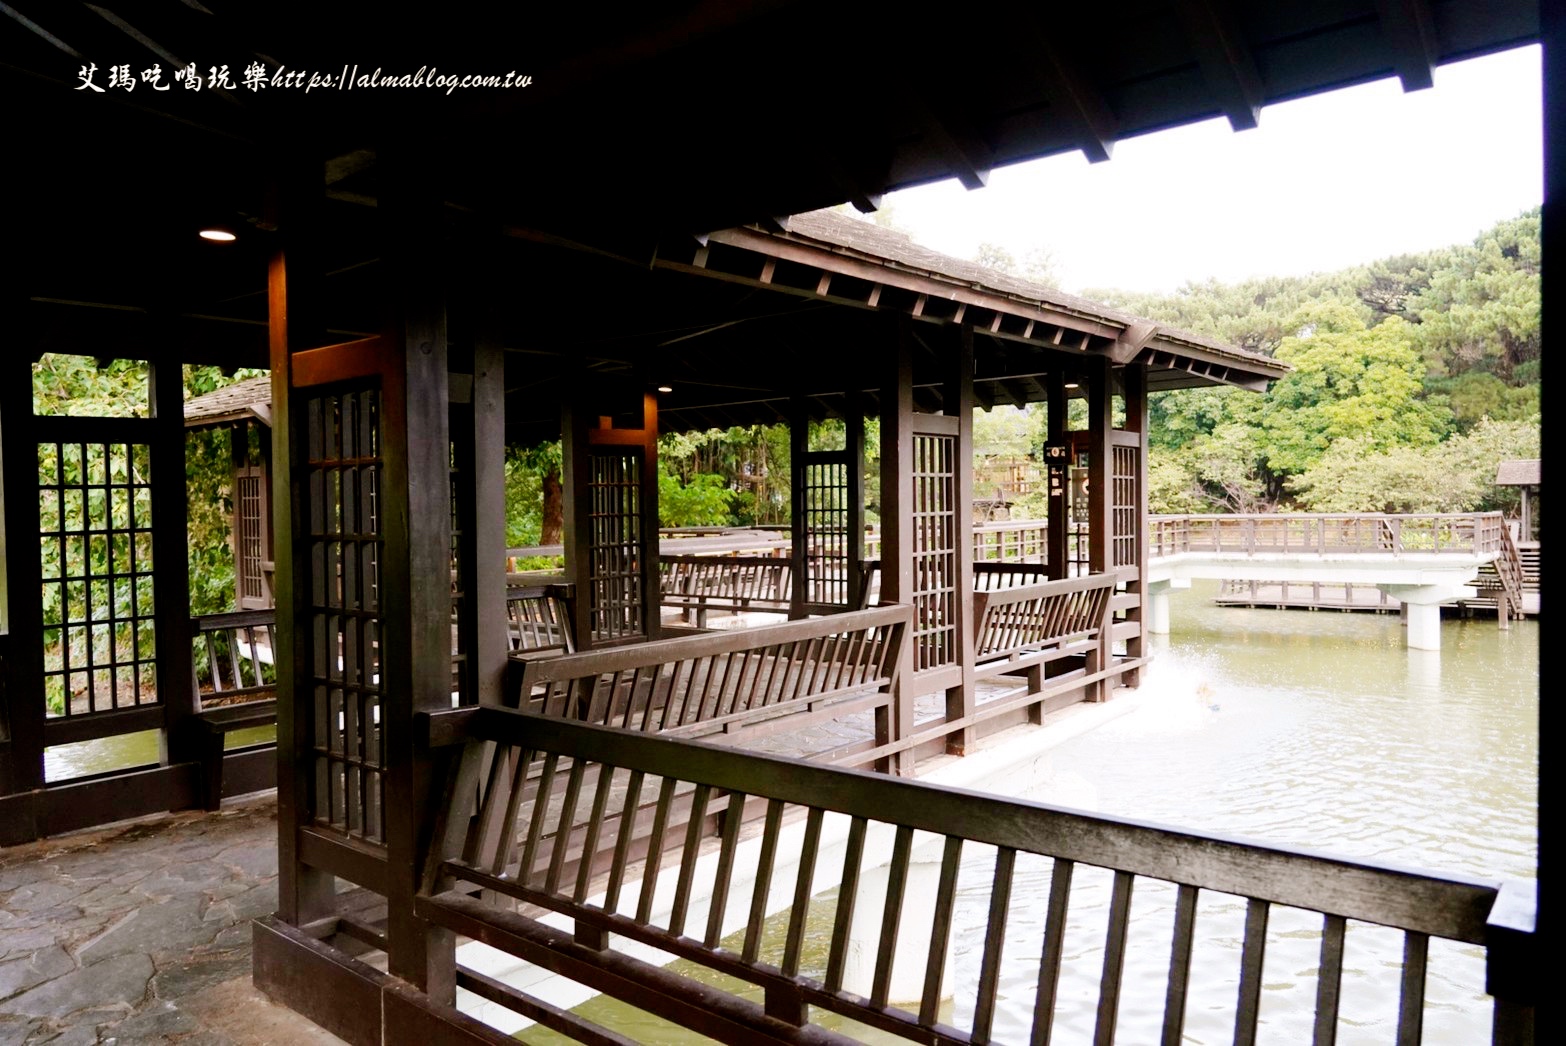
(1523, 472)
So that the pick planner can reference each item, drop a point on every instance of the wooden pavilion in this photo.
(623, 237)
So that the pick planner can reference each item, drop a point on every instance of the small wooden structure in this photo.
(1524, 474)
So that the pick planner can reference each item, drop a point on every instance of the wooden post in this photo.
(171, 565)
(897, 518)
(21, 690)
(958, 402)
(479, 446)
(799, 533)
(415, 589)
(576, 516)
(1100, 422)
(1134, 382)
(854, 443)
(1058, 478)
(304, 893)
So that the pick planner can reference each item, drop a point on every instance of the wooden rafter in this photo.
(1226, 61)
(1410, 29)
(1069, 88)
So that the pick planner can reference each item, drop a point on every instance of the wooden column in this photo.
(1059, 478)
(958, 400)
(897, 514)
(1100, 407)
(294, 323)
(21, 689)
(171, 564)
(799, 532)
(854, 443)
(1134, 381)
(481, 512)
(415, 589)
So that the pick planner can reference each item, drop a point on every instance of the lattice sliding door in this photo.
(96, 544)
(1124, 505)
(935, 536)
(341, 484)
(614, 552)
(825, 499)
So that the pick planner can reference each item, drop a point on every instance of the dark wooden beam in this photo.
(1226, 61)
(1410, 29)
(969, 158)
(1074, 95)
(1132, 341)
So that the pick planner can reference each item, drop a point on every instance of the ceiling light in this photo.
(217, 234)
(665, 388)
(1072, 385)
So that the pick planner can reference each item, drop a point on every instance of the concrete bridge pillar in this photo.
(1422, 610)
(1158, 603)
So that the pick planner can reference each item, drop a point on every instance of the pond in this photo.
(1316, 730)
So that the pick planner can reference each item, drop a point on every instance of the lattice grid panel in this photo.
(1125, 470)
(614, 546)
(459, 641)
(95, 541)
(342, 483)
(250, 541)
(934, 550)
(825, 508)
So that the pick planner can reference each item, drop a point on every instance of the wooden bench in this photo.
(729, 684)
(236, 652)
(538, 619)
(697, 584)
(1023, 630)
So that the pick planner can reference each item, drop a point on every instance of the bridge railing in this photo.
(1466, 533)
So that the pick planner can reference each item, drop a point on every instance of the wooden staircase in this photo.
(1504, 583)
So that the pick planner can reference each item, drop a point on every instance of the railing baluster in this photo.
(535, 830)
(793, 944)
(733, 818)
(1054, 942)
(891, 916)
(940, 931)
(847, 897)
(654, 859)
(1114, 959)
(1252, 954)
(994, 942)
(1180, 965)
(1411, 1003)
(622, 843)
(682, 890)
(1329, 980)
(764, 866)
(595, 821)
(564, 826)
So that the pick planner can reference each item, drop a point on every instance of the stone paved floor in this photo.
(139, 933)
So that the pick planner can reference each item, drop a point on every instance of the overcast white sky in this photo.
(1322, 183)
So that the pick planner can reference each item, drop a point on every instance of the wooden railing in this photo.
(1473, 533)
(1012, 541)
(696, 584)
(538, 619)
(1024, 630)
(235, 654)
(648, 845)
(739, 683)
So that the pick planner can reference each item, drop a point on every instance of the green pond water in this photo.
(1316, 730)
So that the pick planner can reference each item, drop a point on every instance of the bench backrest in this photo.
(671, 684)
(727, 580)
(538, 618)
(1032, 616)
(234, 652)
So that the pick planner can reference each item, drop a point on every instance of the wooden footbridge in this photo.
(1421, 561)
